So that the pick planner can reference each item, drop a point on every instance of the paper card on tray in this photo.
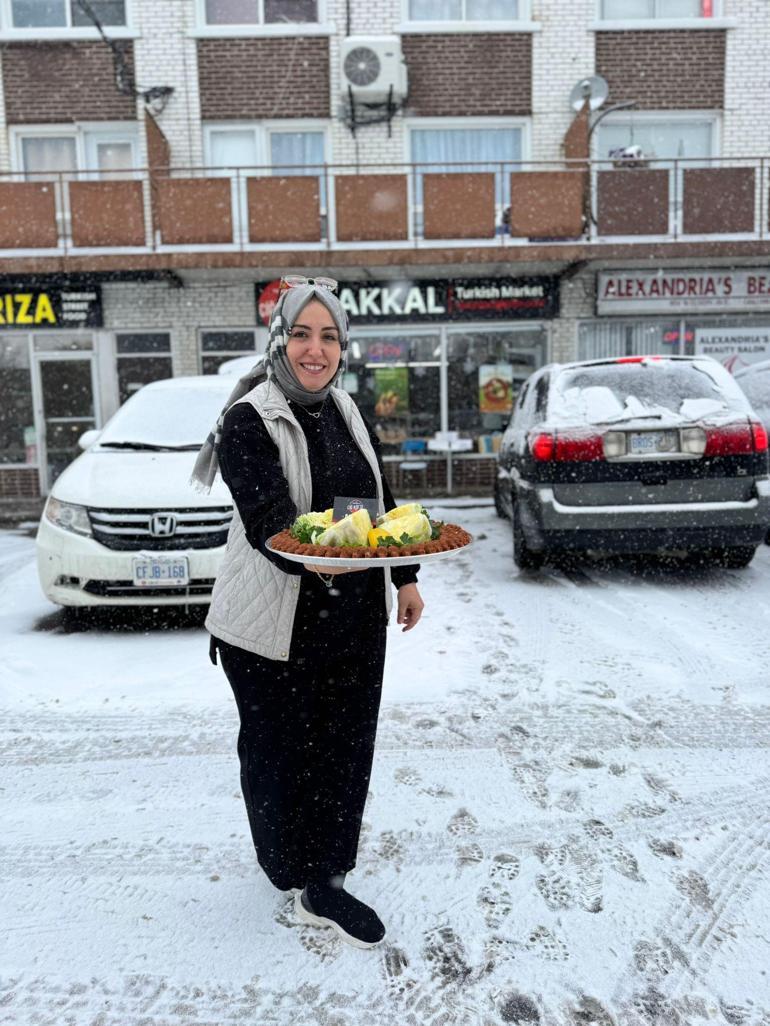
(344, 505)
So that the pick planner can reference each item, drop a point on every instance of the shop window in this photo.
(222, 345)
(396, 382)
(17, 419)
(627, 10)
(142, 357)
(259, 12)
(466, 10)
(486, 370)
(453, 148)
(31, 14)
(602, 340)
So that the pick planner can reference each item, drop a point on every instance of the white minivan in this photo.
(123, 525)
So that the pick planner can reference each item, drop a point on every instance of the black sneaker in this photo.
(354, 921)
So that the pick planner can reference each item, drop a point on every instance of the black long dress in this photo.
(308, 725)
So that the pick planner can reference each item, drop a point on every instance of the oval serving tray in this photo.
(365, 562)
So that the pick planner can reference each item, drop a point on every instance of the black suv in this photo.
(634, 454)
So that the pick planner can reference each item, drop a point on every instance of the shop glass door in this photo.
(395, 378)
(67, 409)
(485, 371)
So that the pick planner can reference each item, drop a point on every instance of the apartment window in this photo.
(658, 137)
(104, 152)
(30, 14)
(451, 148)
(142, 357)
(218, 346)
(288, 150)
(259, 12)
(465, 10)
(632, 10)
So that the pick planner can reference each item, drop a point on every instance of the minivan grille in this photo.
(127, 589)
(137, 529)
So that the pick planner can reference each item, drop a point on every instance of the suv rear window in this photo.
(619, 391)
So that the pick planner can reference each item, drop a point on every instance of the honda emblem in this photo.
(162, 525)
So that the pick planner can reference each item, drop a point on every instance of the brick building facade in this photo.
(184, 102)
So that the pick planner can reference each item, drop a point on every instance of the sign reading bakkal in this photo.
(24, 308)
(457, 299)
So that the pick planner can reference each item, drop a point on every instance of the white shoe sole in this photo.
(313, 920)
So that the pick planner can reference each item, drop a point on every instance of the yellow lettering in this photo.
(9, 318)
(24, 302)
(44, 310)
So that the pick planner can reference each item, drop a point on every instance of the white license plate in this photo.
(161, 571)
(642, 442)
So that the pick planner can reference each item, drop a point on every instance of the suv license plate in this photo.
(642, 442)
(159, 571)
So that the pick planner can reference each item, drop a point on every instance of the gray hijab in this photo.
(278, 369)
(287, 310)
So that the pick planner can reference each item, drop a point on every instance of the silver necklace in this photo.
(311, 414)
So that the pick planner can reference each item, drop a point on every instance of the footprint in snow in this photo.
(462, 824)
(445, 954)
(556, 891)
(496, 906)
(504, 867)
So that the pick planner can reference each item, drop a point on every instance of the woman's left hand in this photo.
(410, 606)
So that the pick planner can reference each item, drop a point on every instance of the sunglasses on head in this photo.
(289, 281)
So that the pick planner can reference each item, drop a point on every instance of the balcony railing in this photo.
(375, 207)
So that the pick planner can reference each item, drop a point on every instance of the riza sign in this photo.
(459, 299)
(51, 308)
(632, 292)
(734, 347)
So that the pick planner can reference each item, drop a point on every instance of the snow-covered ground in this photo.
(568, 821)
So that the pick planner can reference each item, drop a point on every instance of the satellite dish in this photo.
(594, 89)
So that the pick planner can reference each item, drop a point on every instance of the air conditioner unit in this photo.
(373, 67)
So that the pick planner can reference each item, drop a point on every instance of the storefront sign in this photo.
(734, 347)
(25, 308)
(632, 292)
(418, 301)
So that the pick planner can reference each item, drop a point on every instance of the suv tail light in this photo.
(759, 432)
(566, 448)
(736, 439)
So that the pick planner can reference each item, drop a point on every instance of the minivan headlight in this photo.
(68, 516)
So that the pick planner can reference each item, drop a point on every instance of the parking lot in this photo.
(567, 822)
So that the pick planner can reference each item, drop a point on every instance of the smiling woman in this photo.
(304, 659)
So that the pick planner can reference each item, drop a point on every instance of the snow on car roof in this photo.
(174, 412)
(659, 390)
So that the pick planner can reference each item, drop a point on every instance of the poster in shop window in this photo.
(734, 347)
(391, 387)
(495, 388)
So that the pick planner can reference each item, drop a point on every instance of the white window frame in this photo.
(262, 131)
(523, 23)
(9, 32)
(675, 194)
(624, 117)
(524, 124)
(304, 28)
(231, 354)
(78, 131)
(82, 132)
(716, 21)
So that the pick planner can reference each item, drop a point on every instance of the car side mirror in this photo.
(88, 438)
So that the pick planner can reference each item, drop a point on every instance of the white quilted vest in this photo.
(253, 602)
